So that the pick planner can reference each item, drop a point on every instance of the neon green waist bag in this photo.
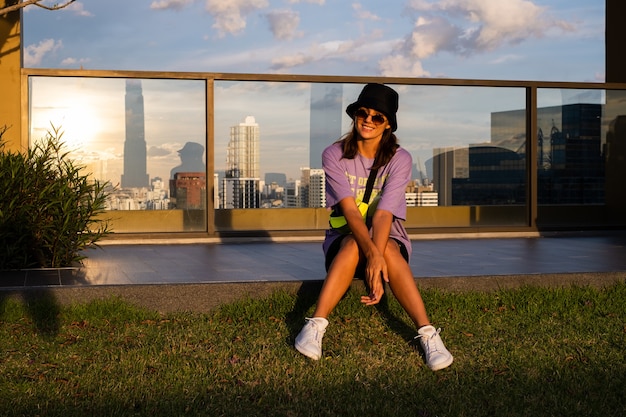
(338, 222)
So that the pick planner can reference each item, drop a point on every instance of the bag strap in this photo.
(369, 185)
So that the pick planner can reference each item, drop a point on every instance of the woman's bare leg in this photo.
(404, 288)
(339, 277)
(402, 283)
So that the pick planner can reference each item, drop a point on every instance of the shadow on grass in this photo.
(306, 298)
(464, 392)
(395, 323)
(41, 307)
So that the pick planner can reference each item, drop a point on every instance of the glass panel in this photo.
(572, 133)
(262, 142)
(146, 137)
(468, 148)
(614, 133)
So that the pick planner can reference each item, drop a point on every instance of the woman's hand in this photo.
(372, 247)
(376, 269)
(376, 272)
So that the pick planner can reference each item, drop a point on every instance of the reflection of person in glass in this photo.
(378, 248)
(190, 159)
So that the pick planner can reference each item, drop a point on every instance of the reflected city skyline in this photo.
(431, 119)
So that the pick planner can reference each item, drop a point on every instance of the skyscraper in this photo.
(325, 119)
(241, 185)
(312, 187)
(135, 156)
(570, 153)
(243, 149)
(449, 163)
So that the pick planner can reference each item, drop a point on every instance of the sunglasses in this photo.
(377, 119)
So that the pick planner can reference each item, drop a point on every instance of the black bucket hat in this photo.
(380, 98)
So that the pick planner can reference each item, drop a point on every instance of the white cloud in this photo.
(363, 49)
(504, 59)
(467, 27)
(363, 14)
(320, 2)
(457, 38)
(170, 4)
(401, 66)
(160, 151)
(33, 54)
(316, 53)
(230, 15)
(284, 24)
(489, 24)
(69, 62)
(289, 61)
(78, 9)
(432, 36)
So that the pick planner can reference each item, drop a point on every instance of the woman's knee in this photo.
(349, 246)
(397, 264)
(393, 251)
(348, 253)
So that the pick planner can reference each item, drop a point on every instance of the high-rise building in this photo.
(497, 176)
(243, 153)
(312, 187)
(615, 166)
(292, 197)
(570, 155)
(241, 186)
(325, 119)
(135, 155)
(216, 190)
(240, 192)
(448, 163)
(418, 195)
(189, 190)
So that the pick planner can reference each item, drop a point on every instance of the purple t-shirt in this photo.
(348, 178)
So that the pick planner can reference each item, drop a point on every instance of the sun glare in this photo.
(75, 116)
(79, 125)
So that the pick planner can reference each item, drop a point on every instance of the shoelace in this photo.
(317, 333)
(431, 342)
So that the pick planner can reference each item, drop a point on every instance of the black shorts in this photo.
(360, 270)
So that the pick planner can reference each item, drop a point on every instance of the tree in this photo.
(20, 4)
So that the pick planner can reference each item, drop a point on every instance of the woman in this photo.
(378, 248)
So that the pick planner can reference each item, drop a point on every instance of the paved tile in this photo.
(258, 261)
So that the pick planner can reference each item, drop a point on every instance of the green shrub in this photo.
(48, 206)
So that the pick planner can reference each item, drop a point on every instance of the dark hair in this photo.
(386, 149)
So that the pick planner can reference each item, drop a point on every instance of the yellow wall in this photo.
(10, 80)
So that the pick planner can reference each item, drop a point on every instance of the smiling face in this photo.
(370, 124)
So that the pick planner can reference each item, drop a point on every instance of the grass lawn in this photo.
(525, 352)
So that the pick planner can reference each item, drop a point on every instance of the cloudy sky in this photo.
(548, 40)
(551, 40)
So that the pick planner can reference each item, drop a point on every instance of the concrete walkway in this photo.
(200, 276)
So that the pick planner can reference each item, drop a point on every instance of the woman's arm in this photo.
(372, 248)
(361, 234)
(381, 228)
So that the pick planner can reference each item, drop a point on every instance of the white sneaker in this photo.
(437, 356)
(309, 341)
